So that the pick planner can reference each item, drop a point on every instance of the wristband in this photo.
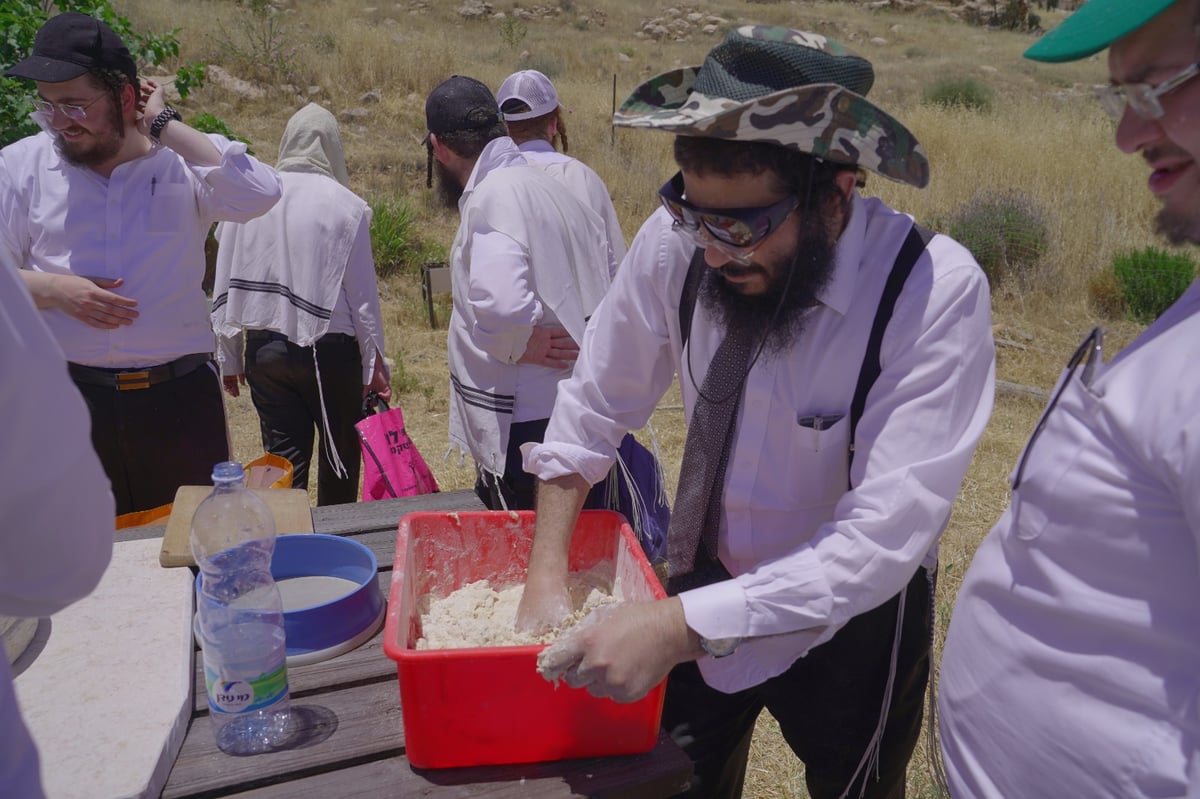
(160, 122)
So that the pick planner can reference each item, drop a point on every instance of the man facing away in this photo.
(106, 211)
(300, 280)
(535, 122)
(1072, 662)
(800, 578)
(529, 265)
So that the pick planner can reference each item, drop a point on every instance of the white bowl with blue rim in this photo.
(330, 591)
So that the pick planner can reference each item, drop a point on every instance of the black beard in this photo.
(447, 188)
(104, 146)
(776, 316)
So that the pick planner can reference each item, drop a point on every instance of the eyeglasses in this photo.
(736, 232)
(75, 112)
(1091, 351)
(1142, 97)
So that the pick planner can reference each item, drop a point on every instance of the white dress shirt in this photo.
(527, 253)
(583, 181)
(57, 509)
(1072, 662)
(806, 554)
(146, 223)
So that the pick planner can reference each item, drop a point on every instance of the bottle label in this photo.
(242, 696)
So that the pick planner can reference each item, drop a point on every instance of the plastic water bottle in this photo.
(240, 616)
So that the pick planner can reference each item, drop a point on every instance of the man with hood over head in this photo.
(300, 281)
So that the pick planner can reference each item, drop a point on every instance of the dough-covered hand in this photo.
(620, 651)
(545, 605)
(90, 300)
(551, 346)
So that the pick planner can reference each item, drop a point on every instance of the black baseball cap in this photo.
(69, 45)
(460, 103)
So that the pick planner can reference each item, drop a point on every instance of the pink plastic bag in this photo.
(392, 466)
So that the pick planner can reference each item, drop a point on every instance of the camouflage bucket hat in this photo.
(787, 87)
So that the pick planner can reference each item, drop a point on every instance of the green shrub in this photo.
(1005, 231)
(207, 123)
(513, 31)
(1151, 279)
(965, 93)
(393, 237)
(259, 44)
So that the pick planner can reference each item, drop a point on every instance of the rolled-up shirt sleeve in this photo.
(361, 290)
(238, 189)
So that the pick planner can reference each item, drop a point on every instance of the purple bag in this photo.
(635, 488)
(392, 466)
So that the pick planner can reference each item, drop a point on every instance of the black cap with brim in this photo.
(460, 103)
(69, 45)
(1096, 25)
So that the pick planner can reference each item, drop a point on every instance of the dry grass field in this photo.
(1044, 136)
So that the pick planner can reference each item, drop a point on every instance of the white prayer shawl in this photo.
(284, 270)
(274, 273)
(565, 263)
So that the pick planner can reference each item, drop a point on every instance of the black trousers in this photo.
(827, 705)
(517, 486)
(153, 440)
(283, 386)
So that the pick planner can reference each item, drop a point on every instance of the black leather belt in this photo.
(328, 338)
(134, 379)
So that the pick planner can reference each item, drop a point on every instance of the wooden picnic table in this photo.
(351, 738)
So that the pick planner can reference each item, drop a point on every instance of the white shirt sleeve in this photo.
(240, 188)
(361, 291)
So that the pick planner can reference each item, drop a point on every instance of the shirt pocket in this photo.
(171, 207)
(820, 462)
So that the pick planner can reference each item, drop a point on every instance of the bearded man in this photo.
(529, 265)
(106, 212)
(833, 404)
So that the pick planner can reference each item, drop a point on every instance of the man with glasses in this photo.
(106, 212)
(1072, 662)
(833, 404)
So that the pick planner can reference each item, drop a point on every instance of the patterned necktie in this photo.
(696, 516)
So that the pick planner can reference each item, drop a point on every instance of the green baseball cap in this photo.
(1096, 25)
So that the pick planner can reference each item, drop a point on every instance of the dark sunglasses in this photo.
(736, 227)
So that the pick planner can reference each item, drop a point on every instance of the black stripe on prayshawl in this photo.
(500, 403)
(273, 288)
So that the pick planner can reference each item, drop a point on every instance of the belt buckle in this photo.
(132, 381)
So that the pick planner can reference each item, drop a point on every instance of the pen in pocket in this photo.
(821, 422)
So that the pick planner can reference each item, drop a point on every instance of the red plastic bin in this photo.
(488, 705)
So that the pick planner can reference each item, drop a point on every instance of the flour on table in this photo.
(478, 615)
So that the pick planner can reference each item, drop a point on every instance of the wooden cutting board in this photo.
(289, 506)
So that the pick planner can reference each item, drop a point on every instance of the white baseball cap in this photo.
(531, 88)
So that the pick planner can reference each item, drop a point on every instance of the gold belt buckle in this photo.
(130, 381)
